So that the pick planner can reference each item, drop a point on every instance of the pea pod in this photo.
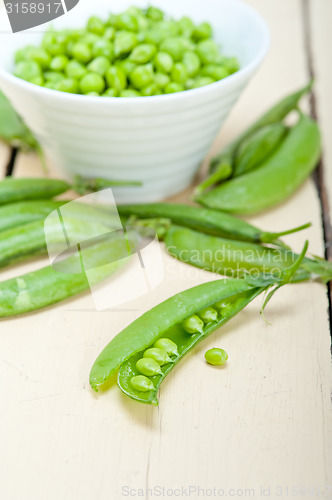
(222, 165)
(46, 286)
(24, 212)
(276, 179)
(24, 241)
(167, 321)
(239, 259)
(205, 220)
(16, 189)
(82, 222)
(12, 129)
(253, 151)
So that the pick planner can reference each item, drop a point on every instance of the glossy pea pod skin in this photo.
(222, 166)
(12, 129)
(24, 212)
(276, 179)
(25, 241)
(44, 287)
(165, 321)
(205, 220)
(17, 189)
(253, 151)
(239, 259)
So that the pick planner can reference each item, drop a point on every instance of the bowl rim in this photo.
(240, 75)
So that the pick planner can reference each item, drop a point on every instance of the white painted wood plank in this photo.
(264, 420)
(321, 38)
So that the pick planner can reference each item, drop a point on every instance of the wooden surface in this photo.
(263, 421)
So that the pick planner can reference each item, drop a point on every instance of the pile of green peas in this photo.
(165, 351)
(140, 52)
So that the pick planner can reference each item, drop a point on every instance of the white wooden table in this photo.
(259, 427)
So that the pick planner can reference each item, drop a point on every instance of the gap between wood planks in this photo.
(318, 175)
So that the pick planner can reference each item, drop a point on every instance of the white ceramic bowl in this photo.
(159, 140)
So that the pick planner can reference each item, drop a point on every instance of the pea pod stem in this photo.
(206, 220)
(82, 185)
(224, 161)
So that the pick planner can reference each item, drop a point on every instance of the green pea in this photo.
(28, 70)
(111, 21)
(143, 53)
(192, 63)
(208, 314)
(127, 66)
(231, 63)
(59, 63)
(142, 76)
(202, 32)
(126, 21)
(220, 305)
(90, 39)
(93, 94)
(179, 73)
(75, 69)
(67, 85)
(124, 43)
(163, 62)
(186, 27)
(173, 87)
(152, 35)
(50, 85)
(23, 54)
(201, 82)
(167, 345)
(168, 29)
(176, 46)
(129, 93)
(103, 48)
(155, 14)
(55, 48)
(158, 355)
(110, 93)
(192, 325)
(161, 80)
(150, 90)
(142, 383)
(148, 366)
(215, 71)
(53, 76)
(208, 52)
(109, 34)
(189, 83)
(40, 56)
(81, 52)
(92, 82)
(95, 25)
(99, 65)
(216, 356)
(116, 78)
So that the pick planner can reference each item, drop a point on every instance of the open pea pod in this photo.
(166, 333)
